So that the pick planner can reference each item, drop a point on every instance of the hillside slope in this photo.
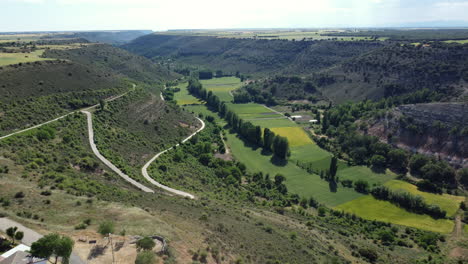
(428, 129)
(395, 70)
(39, 91)
(112, 59)
(249, 55)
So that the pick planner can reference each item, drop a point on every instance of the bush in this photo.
(322, 211)
(146, 243)
(368, 254)
(19, 195)
(145, 257)
(106, 228)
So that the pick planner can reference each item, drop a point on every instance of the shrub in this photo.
(19, 195)
(146, 243)
(368, 254)
(361, 186)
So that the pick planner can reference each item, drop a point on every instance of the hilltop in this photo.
(112, 59)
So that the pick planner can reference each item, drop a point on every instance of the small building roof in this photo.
(12, 251)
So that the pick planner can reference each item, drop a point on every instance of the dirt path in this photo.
(60, 117)
(31, 236)
(106, 161)
(458, 230)
(224, 143)
(144, 170)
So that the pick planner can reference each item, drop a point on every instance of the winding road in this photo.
(144, 170)
(60, 117)
(106, 161)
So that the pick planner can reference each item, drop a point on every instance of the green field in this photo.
(251, 110)
(297, 180)
(364, 173)
(183, 97)
(447, 202)
(295, 135)
(14, 58)
(222, 86)
(372, 209)
(272, 123)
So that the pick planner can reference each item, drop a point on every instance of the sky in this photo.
(69, 15)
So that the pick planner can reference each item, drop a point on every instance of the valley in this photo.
(268, 146)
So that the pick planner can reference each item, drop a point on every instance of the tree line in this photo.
(265, 138)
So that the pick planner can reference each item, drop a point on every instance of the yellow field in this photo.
(370, 208)
(447, 202)
(14, 58)
(296, 135)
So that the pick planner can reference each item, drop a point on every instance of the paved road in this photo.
(144, 170)
(31, 236)
(60, 117)
(106, 161)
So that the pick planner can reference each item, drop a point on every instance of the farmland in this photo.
(296, 135)
(183, 97)
(298, 180)
(447, 202)
(370, 208)
(222, 86)
(364, 173)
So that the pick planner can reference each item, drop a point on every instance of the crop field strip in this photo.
(370, 208)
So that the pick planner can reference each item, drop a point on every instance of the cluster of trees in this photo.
(339, 123)
(14, 234)
(412, 203)
(431, 169)
(53, 245)
(253, 134)
(279, 87)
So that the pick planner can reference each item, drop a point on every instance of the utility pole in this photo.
(112, 247)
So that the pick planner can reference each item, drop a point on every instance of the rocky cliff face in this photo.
(436, 129)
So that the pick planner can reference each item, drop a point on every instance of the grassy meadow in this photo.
(370, 208)
(15, 58)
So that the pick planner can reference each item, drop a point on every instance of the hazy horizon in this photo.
(86, 15)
